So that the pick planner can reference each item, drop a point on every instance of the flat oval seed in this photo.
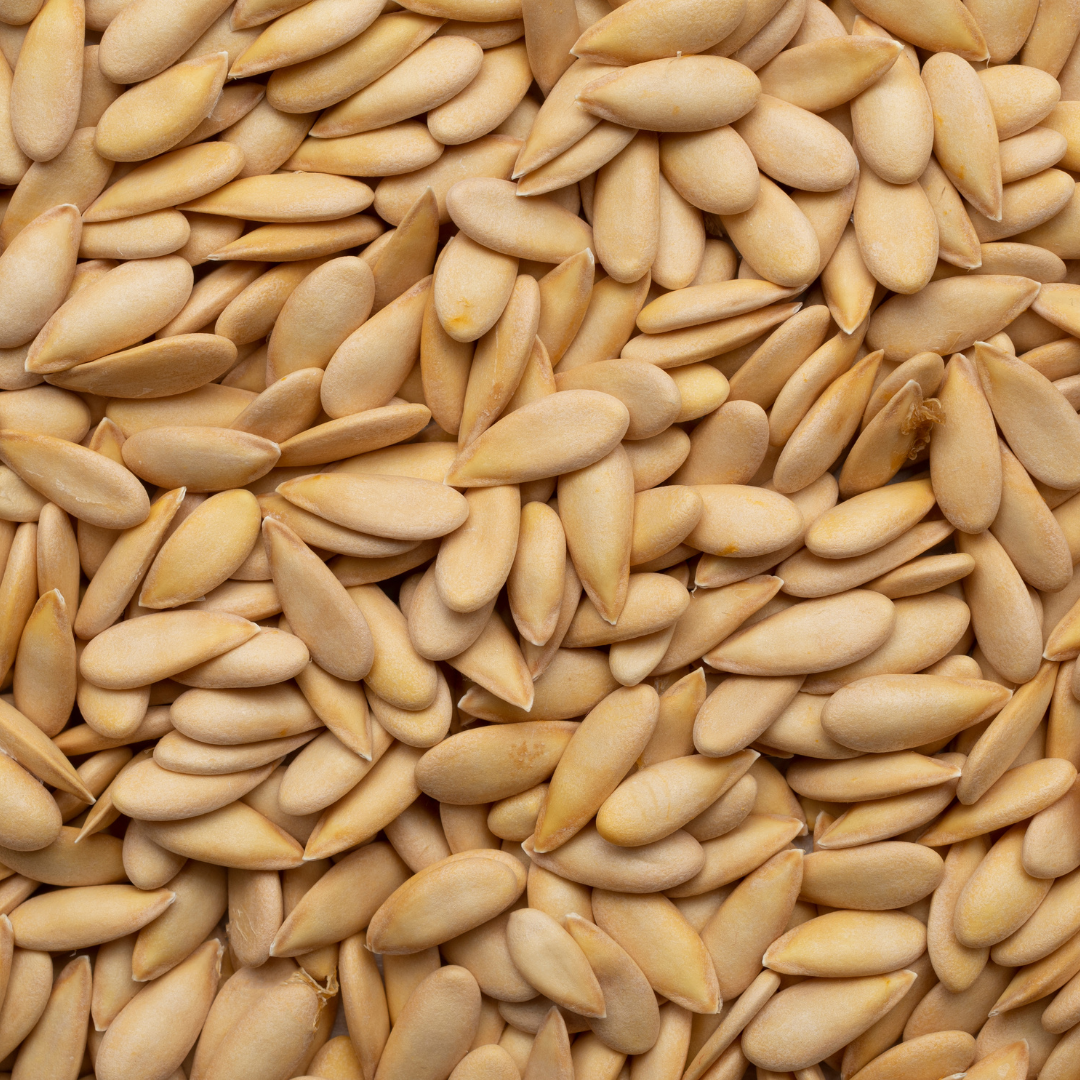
(869, 778)
(489, 211)
(199, 458)
(161, 368)
(805, 1021)
(661, 798)
(795, 641)
(492, 763)
(874, 877)
(133, 654)
(89, 485)
(553, 962)
(187, 992)
(908, 710)
(589, 859)
(228, 524)
(848, 944)
(236, 836)
(31, 818)
(445, 899)
(680, 969)
(75, 918)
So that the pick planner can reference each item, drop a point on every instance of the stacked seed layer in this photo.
(543, 531)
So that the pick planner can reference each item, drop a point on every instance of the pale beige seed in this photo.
(175, 177)
(229, 523)
(340, 642)
(489, 211)
(234, 836)
(47, 84)
(1019, 794)
(653, 95)
(342, 901)
(691, 164)
(1018, 393)
(874, 877)
(292, 197)
(159, 113)
(822, 74)
(324, 80)
(187, 992)
(362, 433)
(112, 313)
(435, 73)
(328, 305)
(36, 272)
(250, 314)
(626, 209)
(742, 522)
(986, 760)
(787, 643)
(44, 675)
(436, 1026)
(999, 896)
(951, 315)
(946, 706)
(1050, 848)
(201, 900)
(161, 368)
(535, 581)
(33, 819)
(500, 361)
(571, 801)
(827, 426)
(969, 490)
(488, 100)
(199, 458)
(384, 793)
(553, 962)
(995, 592)
(596, 509)
(665, 796)
(634, 36)
(137, 653)
(75, 918)
(29, 985)
(231, 1005)
(823, 366)
(304, 789)
(300, 36)
(446, 899)
(893, 120)
(870, 778)
(870, 520)
(59, 1037)
(654, 601)
(680, 969)
(463, 771)
(648, 393)
(566, 432)
(471, 288)
(846, 944)
(369, 367)
(902, 260)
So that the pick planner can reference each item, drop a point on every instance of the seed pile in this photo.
(540, 532)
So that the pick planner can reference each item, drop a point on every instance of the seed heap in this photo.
(403, 634)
